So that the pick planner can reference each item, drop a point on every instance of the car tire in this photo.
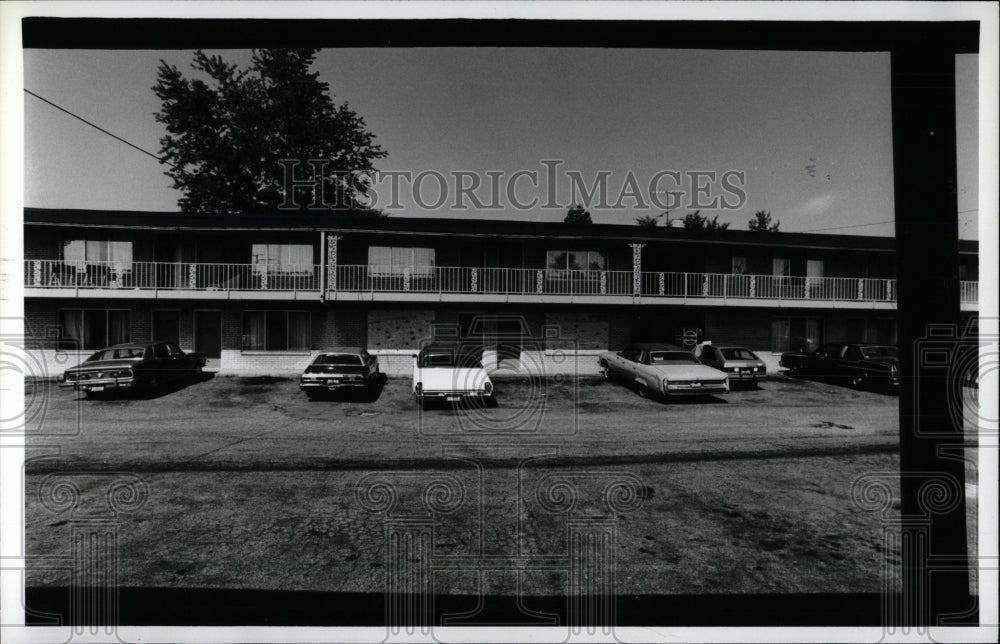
(643, 391)
(858, 381)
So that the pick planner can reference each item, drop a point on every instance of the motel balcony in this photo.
(173, 280)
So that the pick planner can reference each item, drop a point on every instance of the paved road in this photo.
(267, 424)
(252, 486)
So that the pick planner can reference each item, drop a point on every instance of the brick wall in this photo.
(580, 329)
(401, 328)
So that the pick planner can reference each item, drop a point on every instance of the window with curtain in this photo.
(283, 258)
(557, 261)
(276, 331)
(83, 252)
(739, 265)
(389, 261)
(93, 328)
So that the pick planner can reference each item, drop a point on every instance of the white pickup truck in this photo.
(445, 373)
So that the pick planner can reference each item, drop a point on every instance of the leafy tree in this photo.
(697, 221)
(226, 136)
(762, 223)
(651, 221)
(577, 215)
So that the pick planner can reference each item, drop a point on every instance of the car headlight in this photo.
(488, 388)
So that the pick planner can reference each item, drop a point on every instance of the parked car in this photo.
(449, 373)
(742, 365)
(664, 370)
(860, 365)
(338, 369)
(133, 367)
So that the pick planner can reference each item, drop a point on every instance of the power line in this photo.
(101, 129)
(874, 223)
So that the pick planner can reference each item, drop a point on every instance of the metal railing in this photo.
(170, 276)
(454, 279)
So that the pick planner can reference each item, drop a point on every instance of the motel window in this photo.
(393, 261)
(739, 265)
(276, 331)
(93, 328)
(795, 334)
(84, 252)
(574, 260)
(781, 267)
(283, 258)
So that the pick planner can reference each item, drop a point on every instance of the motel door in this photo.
(208, 333)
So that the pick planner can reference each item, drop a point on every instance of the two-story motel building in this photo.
(264, 294)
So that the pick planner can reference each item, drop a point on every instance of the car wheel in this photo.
(643, 391)
(858, 381)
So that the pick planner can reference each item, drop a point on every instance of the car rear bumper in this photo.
(690, 390)
(442, 395)
(104, 384)
(327, 385)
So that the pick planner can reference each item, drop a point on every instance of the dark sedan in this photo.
(743, 366)
(339, 369)
(860, 365)
(133, 367)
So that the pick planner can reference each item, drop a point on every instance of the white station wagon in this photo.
(444, 372)
(663, 370)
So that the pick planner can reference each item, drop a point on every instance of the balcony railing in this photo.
(450, 279)
(170, 276)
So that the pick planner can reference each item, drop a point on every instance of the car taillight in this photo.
(488, 388)
(419, 387)
(61, 377)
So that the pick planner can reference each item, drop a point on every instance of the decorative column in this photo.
(331, 262)
(604, 282)
(474, 280)
(663, 284)
(193, 276)
(753, 286)
(636, 268)
(861, 289)
(406, 278)
(540, 282)
(36, 277)
(888, 290)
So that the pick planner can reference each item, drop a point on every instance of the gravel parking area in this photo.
(251, 485)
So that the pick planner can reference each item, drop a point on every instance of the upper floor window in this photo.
(574, 260)
(387, 261)
(283, 258)
(84, 252)
(781, 267)
(739, 265)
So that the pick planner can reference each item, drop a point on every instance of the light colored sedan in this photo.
(663, 370)
(449, 373)
(742, 365)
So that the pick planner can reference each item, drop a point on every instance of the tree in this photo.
(697, 221)
(577, 215)
(227, 136)
(762, 223)
(651, 221)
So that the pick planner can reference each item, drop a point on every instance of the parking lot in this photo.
(251, 485)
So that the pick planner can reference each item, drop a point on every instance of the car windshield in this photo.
(671, 357)
(123, 353)
(738, 354)
(338, 359)
(880, 352)
(448, 358)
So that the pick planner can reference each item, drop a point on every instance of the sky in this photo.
(810, 131)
